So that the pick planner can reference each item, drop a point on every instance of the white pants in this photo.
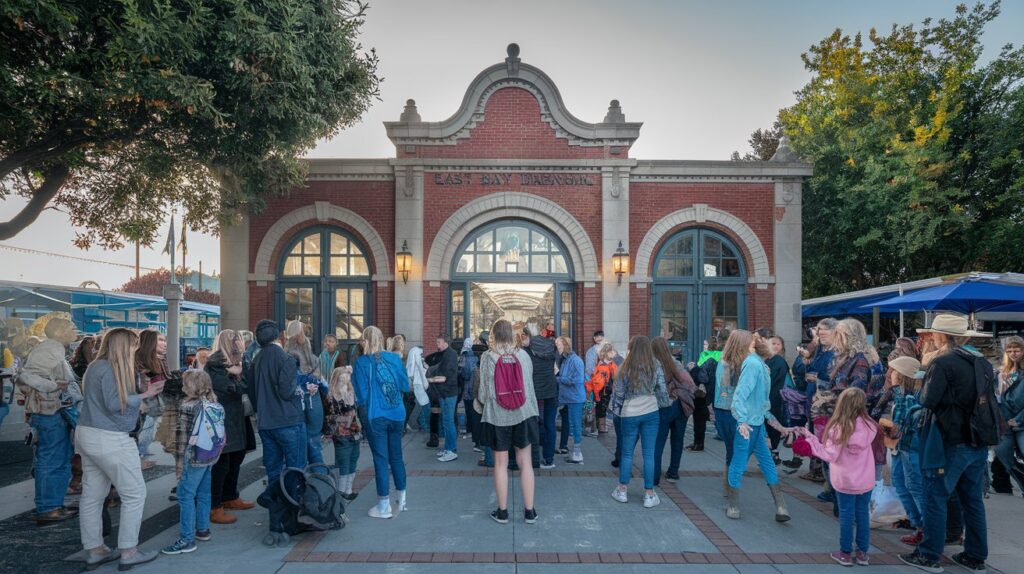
(109, 457)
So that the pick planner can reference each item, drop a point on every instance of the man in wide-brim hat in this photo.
(955, 448)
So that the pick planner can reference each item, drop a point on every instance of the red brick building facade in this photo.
(515, 208)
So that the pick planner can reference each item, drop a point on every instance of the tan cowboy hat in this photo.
(907, 366)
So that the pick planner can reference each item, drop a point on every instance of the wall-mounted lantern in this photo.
(620, 262)
(404, 262)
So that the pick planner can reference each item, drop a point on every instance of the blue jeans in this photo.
(451, 437)
(386, 445)
(488, 456)
(1004, 450)
(573, 414)
(4, 410)
(742, 449)
(193, 500)
(423, 419)
(725, 424)
(548, 432)
(854, 508)
(283, 447)
(346, 454)
(52, 460)
(906, 478)
(672, 420)
(146, 435)
(644, 428)
(964, 467)
(314, 450)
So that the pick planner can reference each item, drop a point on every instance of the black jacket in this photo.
(272, 389)
(543, 353)
(444, 364)
(949, 393)
(229, 390)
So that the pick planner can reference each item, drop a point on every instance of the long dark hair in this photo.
(146, 358)
(639, 367)
(663, 355)
(86, 351)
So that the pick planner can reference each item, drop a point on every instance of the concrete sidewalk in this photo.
(581, 528)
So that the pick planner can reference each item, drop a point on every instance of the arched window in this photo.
(511, 269)
(324, 281)
(699, 289)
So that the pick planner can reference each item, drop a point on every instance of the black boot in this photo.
(433, 442)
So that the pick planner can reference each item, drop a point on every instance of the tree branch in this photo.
(53, 181)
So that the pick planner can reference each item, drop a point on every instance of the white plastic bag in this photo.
(886, 508)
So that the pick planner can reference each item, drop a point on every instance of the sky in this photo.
(700, 75)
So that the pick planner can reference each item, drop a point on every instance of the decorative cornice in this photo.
(512, 73)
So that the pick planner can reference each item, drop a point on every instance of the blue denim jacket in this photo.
(621, 393)
(750, 403)
(1012, 400)
(570, 380)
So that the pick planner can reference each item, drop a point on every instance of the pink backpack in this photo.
(508, 382)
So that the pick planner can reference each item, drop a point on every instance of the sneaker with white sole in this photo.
(969, 563)
(919, 561)
(620, 495)
(651, 500)
(180, 547)
(448, 456)
(377, 511)
(547, 465)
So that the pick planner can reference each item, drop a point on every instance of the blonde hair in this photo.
(341, 385)
(851, 405)
(502, 337)
(294, 329)
(736, 350)
(396, 344)
(230, 343)
(851, 338)
(605, 351)
(118, 348)
(373, 341)
(909, 385)
(1009, 366)
(196, 385)
(566, 343)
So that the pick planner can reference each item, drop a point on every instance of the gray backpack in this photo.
(319, 503)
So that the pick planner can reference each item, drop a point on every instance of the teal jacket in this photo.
(750, 402)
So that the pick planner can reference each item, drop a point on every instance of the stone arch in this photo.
(505, 205)
(757, 265)
(323, 212)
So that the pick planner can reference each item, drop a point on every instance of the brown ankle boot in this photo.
(220, 516)
(238, 504)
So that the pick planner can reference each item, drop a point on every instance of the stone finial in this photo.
(614, 115)
(784, 153)
(512, 61)
(410, 114)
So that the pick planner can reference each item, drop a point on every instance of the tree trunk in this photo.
(54, 180)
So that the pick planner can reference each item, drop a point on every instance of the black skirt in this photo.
(503, 439)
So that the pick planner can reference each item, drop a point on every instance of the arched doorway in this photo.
(699, 289)
(324, 281)
(512, 269)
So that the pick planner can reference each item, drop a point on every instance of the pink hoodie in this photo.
(852, 467)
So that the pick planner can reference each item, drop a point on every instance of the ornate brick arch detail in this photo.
(701, 213)
(323, 212)
(515, 205)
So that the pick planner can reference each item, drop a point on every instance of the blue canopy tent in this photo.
(970, 295)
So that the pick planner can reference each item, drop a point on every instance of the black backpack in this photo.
(319, 503)
(987, 422)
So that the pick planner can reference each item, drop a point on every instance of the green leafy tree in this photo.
(117, 111)
(917, 152)
(763, 144)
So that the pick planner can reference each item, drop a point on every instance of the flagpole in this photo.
(173, 295)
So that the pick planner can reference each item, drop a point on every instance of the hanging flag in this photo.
(169, 246)
(184, 241)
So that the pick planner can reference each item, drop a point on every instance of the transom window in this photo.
(699, 254)
(342, 258)
(512, 249)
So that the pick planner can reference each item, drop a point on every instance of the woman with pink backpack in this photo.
(509, 416)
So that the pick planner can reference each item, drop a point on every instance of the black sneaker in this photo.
(530, 515)
(969, 563)
(500, 516)
(918, 560)
(671, 477)
(615, 463)
(433, 441)
(203, 535)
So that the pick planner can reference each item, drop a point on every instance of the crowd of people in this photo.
(931, 410)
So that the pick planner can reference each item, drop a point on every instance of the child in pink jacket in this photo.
(847, 448)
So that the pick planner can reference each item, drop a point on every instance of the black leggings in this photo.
(700, 420)
(224, 478)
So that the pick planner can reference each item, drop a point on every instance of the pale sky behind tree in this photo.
(700, 75)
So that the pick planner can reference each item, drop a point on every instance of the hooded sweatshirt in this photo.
(543, 354)
(45, 366)
(417, 371)
(852, 466)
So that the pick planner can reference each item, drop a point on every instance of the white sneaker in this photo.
(620, 495)
(401, 501)
(377, 512)
(651, 500)
(448, 456)
(546, 466)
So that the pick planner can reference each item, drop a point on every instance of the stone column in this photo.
(614, 228)
(409, 229)
(788, 262)
(174, 295)
(234, 272)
